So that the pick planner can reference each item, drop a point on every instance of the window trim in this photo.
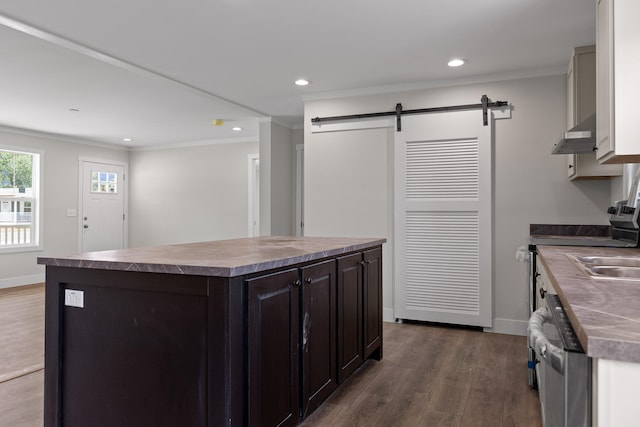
(38, 200)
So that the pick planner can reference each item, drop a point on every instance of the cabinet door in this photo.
(372, 313)
(318, 335)
(349, 288)
(604, 84)
(273, 331)
(571, 119)
(571, 165)
(586, 166)
(581, 103)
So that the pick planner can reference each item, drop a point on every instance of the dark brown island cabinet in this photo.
(244, 332)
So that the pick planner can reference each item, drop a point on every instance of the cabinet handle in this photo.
(570, 166)
(542, 292)
(362, 262)
(296, 283)
(307, 280)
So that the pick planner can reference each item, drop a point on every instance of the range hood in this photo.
(580, 139)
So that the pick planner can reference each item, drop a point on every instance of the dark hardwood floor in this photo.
(429, 376)
(437, 376)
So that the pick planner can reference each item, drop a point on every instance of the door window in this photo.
(104, 182)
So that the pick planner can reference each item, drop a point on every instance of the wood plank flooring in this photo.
(437, 376)
(22, 331)
(430, 376)
(22, 356)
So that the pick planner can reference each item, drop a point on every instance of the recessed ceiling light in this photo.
(455, 62)
(302, 82)
(127, 139)
(236, 128)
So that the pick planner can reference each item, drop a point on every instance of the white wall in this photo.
(283, 152)
(530, 185)
(189, 194)
(348, 182)
(59, 193)
(277, 187)
(265, 178)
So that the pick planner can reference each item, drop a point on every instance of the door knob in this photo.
(86, 226)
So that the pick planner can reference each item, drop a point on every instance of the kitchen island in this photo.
(605, 314)
(255, 331)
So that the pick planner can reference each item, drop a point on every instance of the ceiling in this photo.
(161, 71)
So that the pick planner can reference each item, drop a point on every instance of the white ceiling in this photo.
(160, 71)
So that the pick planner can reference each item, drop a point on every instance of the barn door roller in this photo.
(484, 105)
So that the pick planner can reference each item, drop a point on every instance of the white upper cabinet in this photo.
(581, 103)
(617, 89)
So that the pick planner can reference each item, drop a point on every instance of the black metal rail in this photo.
(484, 105)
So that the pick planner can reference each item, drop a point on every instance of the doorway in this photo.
(103, 216)
(254, 195)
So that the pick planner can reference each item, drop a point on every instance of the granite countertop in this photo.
(574, 235)
(605, 313)
(223, 258)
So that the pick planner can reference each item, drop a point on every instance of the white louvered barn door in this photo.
(443, 219)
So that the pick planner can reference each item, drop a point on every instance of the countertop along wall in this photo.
(59, 193)
(530, 184)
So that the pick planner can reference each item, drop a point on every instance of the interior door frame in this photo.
(125, 187)
(253, 191)
(299, 190)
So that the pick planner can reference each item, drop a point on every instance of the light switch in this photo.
(74, 298)
(72, 212)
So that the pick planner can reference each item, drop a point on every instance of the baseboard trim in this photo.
(12, 282)
(508, 327)
(500, 326)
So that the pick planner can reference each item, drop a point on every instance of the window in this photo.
(19, 197)
(104, 182)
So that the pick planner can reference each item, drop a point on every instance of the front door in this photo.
(443, 224)
(102, 207)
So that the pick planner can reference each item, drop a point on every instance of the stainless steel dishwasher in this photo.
(563, 370)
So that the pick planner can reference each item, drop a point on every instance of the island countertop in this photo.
(605, 313)
(223, 258)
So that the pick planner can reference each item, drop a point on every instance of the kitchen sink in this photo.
(608, 271)
(608, 267)
(610, 260)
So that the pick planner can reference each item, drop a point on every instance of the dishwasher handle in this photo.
(550, 353)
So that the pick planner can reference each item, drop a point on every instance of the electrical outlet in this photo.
(74, 298)
(72, 212)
